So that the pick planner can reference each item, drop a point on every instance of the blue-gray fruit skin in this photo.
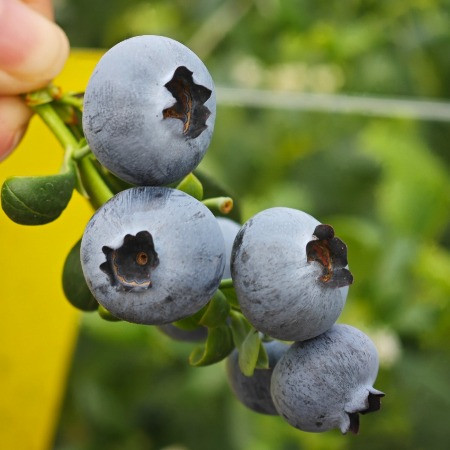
(254, 391)
(125, 105)
(229, 229)
(184, 272)
(280, 292)
(325, 382)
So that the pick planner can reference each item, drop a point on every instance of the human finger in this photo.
(14, 118)
(44, 7)
(33, 49)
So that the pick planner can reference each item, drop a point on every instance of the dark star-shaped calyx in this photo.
(331, 253)
(189, 106)
(129, 266)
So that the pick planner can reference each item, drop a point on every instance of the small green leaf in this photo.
(230, 294)
(216, 312)
(239, 328)
(218, 346)
(263, 358)
(106, 315)
(248, 353)
(191, 185)
(37, 200)
(74, 284)
(191, 322)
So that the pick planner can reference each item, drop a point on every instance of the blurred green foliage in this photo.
(383, 184)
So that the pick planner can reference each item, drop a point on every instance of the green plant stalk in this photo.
(68, 99)
(98, 191)
(226, 283)
(220, 204)
(92, 182)
(81, 152)
(51, 118)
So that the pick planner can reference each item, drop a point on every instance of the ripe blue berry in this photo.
(290, 274)
(149, 110)
(229, 230)
(254, 391)
(325, 382)
(152, 255)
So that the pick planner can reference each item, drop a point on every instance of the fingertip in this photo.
(14, 119)
(33, 49)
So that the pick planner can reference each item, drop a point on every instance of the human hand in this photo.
(33, 50)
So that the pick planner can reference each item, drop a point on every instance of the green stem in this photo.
(80, 153)
(92, 182)
(69, 99)
(98, 191)
(51, 118)
(220, 204)
(226, 283)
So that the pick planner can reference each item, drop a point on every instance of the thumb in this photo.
(33, 49)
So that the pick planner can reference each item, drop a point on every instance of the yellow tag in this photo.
(38, 327)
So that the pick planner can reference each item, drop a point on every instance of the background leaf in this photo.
(74, 285)
(218, 346)
(217, 311)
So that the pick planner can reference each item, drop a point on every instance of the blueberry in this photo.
(325, 382)
(290, 274)
(254, 391)
(149, 110)
(229, 230)
(152, 255)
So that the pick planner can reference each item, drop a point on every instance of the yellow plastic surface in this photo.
(38, 326)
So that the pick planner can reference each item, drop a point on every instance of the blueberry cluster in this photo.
(156, 255)
(291, 278)
(266, 294)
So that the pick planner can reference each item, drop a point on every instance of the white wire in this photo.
(331, 103)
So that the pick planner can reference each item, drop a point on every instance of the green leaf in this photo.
(191, 185)
(230, 294)
(74, 284)
(248, 353)
(217, 311)
(263, 358)
(218, 346)
(239, 328)
(106, 315)
(191, 322)
(37, 200)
